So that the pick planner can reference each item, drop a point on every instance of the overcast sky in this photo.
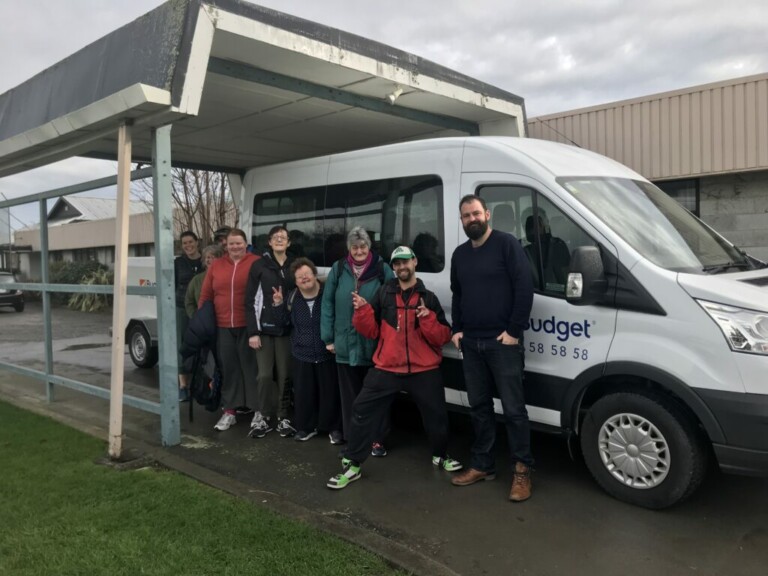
(557, 54)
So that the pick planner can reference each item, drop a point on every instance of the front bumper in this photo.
(11, 299)
(743, 419)
(741, 460)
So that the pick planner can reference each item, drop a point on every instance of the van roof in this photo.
(488, 153)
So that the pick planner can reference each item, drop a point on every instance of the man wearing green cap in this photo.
(410, 325)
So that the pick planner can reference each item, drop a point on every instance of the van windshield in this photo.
(656, 225)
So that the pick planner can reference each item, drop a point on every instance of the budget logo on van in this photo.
(563, 329)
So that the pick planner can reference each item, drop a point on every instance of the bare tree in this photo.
(201, 201)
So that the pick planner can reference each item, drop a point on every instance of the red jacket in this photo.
(407, 344)
(225, 284)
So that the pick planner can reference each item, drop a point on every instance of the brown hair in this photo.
(238, 232)
(299, 262)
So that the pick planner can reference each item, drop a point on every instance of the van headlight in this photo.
(745, 330)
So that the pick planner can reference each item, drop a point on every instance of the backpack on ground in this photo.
(205, 383)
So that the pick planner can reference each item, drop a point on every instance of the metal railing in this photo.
(167, 408)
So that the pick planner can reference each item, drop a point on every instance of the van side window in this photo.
(548, 236)
(394, 211)
(298, 210)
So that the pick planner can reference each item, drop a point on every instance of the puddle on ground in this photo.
(196, 442)
(76, 347)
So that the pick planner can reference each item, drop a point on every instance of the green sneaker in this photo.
(448, 464)
(350, 474)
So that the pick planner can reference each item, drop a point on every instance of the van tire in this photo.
(143, 353)
(669, 447)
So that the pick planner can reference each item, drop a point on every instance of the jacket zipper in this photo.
(232, 297)
(407, 350)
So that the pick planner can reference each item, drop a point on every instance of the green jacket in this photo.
(193, 293)
(336, 320)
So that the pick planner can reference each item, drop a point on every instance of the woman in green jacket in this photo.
(210, 253)
(362, 271)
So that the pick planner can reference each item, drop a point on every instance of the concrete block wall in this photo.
(736, 205)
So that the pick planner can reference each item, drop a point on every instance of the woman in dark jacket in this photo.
(185, 267)
(316, 390)
(268, 335)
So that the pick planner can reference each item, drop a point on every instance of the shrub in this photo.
(73, 273)
(87, 302)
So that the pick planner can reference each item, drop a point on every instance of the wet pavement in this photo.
(568, 527)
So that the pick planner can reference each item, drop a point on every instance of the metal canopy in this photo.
(244, 86)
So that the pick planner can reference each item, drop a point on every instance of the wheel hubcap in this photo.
(634, 451)
(139, 349)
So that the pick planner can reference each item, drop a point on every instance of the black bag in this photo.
(205, 383)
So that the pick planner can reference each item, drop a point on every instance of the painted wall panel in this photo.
(710, 129)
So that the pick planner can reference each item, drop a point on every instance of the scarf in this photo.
(358, 269)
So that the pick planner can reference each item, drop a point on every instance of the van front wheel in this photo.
(643, 449)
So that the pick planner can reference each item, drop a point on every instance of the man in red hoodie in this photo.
(411, 327)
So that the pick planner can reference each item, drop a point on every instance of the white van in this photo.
(648, 338)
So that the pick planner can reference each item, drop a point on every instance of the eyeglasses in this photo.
(281, 237)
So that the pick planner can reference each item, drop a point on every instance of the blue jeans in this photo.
(490, 366)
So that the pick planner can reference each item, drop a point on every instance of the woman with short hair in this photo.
(315, 385)
(268, 336)
(363, 272)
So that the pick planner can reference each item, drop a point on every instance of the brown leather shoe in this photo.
(471, 476)
(521, 485)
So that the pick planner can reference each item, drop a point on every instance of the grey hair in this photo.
(356, 236)
(215, 249)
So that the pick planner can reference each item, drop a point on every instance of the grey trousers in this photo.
(274, 386)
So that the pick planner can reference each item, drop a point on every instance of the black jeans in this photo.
(490, 366)
(350, 383)
(372, 405)
(316, 396)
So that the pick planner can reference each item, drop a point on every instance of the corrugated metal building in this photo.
(706, 145)
(83, 229)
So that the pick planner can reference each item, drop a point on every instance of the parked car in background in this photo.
(10, 296)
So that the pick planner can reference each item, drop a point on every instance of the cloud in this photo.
(558, 55)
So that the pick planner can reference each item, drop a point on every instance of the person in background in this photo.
(209, 254)
(268, 335)
(220, 237)
(492, 297)
(362, 272)
(209, 364)
(225, 284)
(185, 267)
(315, 385)
(410, 325)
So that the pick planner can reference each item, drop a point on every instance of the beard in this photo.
(405, 275)
(475, 230)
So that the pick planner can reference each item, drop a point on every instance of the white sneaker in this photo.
(285, 429)
(257, 419)
(259, 426)
(225, 422)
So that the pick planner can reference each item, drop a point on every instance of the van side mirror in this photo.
(586, 282)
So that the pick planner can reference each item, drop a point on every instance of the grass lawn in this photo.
(62, 514)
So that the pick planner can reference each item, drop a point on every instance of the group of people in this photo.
(331, 357)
